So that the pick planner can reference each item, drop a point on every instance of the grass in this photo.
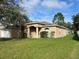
(39, 49)
(75, 53)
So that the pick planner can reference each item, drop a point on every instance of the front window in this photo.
(52, 34)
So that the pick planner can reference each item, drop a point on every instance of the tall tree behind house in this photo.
(58, 19)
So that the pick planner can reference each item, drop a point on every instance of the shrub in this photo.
(44, 34)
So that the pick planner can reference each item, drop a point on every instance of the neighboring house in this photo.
(33, 30)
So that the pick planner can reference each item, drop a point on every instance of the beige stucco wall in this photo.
(58, 32)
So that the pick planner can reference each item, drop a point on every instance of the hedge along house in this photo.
(34, 30)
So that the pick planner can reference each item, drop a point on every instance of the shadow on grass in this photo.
(8, 39)
(5, 39)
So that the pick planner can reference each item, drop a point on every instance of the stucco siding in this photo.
(52, 30)
(60, 32)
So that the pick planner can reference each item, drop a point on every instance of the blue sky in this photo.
(44, 10)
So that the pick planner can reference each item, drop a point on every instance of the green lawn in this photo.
(39, 49)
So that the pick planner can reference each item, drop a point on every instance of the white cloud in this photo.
(56, 4)
(29, 3)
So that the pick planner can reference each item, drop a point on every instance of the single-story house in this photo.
(33, 30)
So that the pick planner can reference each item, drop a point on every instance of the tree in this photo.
(76, 25)
(69, 25)
(11, 2)
(10, 14)
(58, 19)
(44, 34)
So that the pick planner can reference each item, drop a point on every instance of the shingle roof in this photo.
(46, 24)
(35, 22)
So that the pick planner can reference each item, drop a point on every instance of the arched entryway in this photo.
(45, 33)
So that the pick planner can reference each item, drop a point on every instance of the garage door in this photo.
(5, 34)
